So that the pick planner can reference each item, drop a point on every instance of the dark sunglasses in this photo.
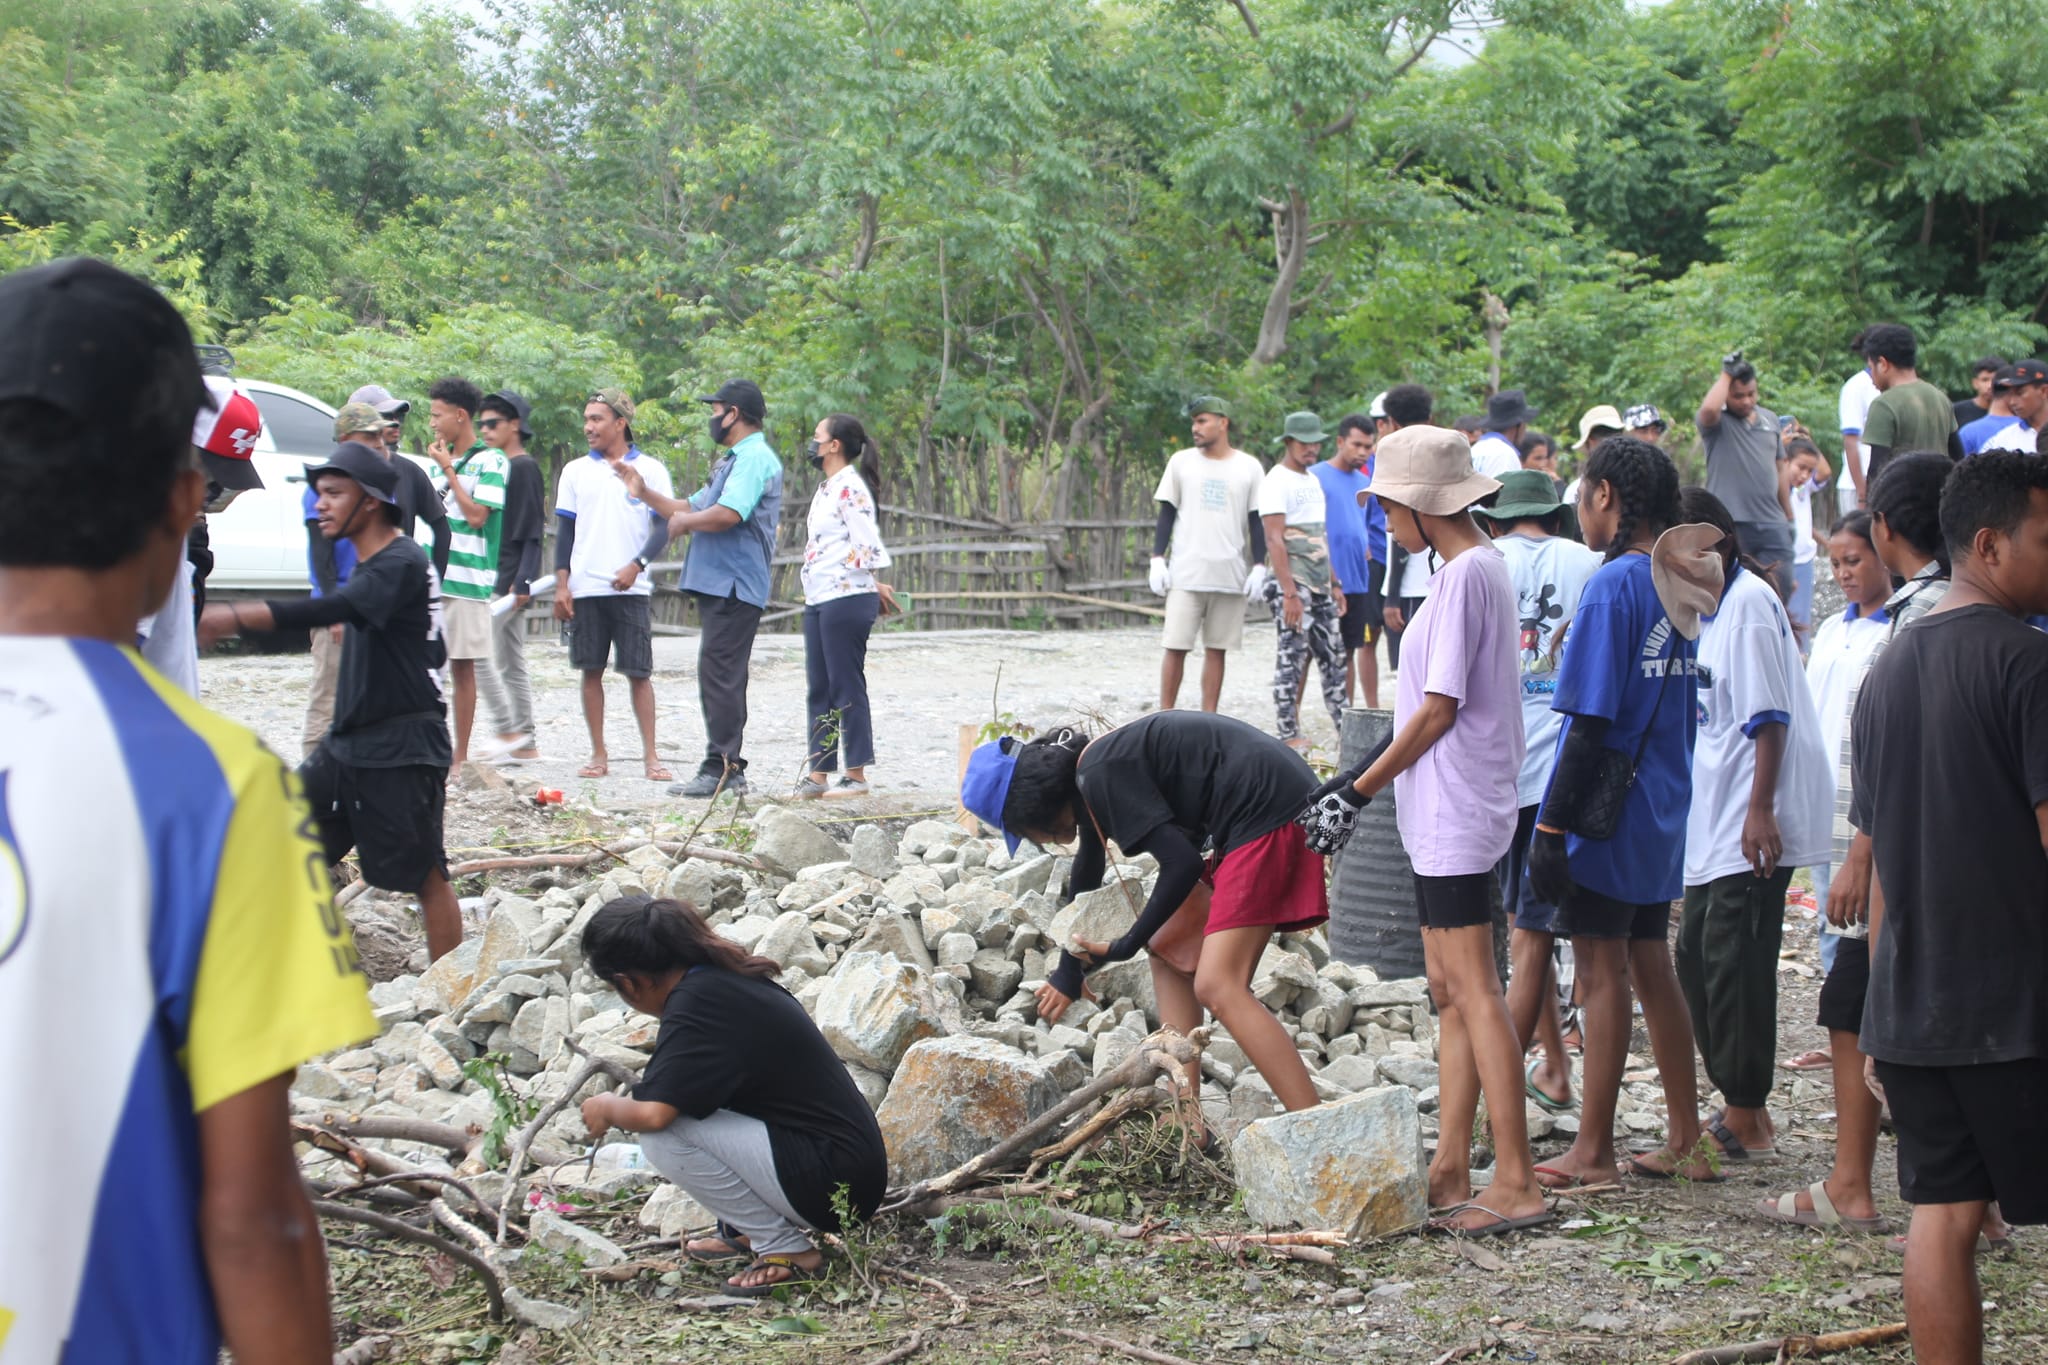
(490, 422)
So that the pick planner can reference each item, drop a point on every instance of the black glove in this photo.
(1731, 361)
(1329, 819)
(1550, 872)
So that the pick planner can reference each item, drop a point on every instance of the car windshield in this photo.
(294, 427)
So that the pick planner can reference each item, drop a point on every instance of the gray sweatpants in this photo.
(505, 688)
(725, 1163)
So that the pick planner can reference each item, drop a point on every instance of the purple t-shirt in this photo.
(1456, 806)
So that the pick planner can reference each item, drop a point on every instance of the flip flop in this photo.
(798, 1274)
(594, 769)
(1501, 1225)
(1819, 1059)
(734, 1251)
(1785, 1209)
(657, 773)
(1536, 1092)
(1636, 1167)
(1566, 1180)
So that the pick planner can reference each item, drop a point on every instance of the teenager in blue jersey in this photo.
(169, 949)
(1625, 685)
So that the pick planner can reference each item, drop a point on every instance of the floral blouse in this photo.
(843, 545)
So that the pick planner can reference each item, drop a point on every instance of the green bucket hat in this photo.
(1304, 427)
(1523, 493)
(1207, 402)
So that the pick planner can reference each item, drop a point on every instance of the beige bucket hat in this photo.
(1429, 470)
(1686, 570)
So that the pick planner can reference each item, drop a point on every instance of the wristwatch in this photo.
(641, 560)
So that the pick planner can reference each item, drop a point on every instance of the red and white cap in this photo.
(226, 431)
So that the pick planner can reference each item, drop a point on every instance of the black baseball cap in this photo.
(523, 410)
(352, 459)
(743, 394)
(2021, 373)
(89, 339)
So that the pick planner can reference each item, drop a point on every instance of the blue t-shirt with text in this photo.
(1618, 653)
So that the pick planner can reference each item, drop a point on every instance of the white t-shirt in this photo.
(1549, 575)
(1212, 502)
(2019, 436)
(611, 526)
(1803, 547)
(1748, 676)
(1494, 455)
(167, 637)
(1851, 412)
(1295, 496)
(1416, 572)
(1841, 651)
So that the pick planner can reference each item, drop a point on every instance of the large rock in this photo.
(790, 943)
(873, 1008)
(954, 1098)
(790, 842)
(668, 1211)
(1354, 1166)
(1100, 916)
(1027, 876)
(897, 936)
(873, 852)
(1281, 976)
(449, 981)
(558, 1234)
(925, 835)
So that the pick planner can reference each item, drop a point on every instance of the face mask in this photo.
(814, 455)
(717, 429)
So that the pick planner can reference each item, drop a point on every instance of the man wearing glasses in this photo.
(507, 688)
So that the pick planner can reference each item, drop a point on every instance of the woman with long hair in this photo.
(842, 600)
(743, 1105)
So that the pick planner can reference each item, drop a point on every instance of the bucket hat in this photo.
(1523, 493)
(1429, 470)
(1600, 415)
(1686, 571)
(1508, 409)
(1304, 427)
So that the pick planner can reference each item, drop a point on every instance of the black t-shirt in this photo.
(742, 1043)
(1217, 780)
(1949, 758)
(1969, 410)
(520, 535)
(388, 709)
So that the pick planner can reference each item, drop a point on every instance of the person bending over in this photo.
(743, 1105)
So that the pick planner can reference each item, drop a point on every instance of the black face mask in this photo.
(717, 427)
(814, 455)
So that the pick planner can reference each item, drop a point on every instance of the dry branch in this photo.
(1115, 1112)
(1122, 1347)
(388, 1169)
(494, 1286)
(618, 849)
(522, 1144)
(910, 1347)
(1797, 1346)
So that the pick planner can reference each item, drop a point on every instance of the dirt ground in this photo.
(1640, 1274)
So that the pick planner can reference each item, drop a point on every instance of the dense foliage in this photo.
(1016, 235)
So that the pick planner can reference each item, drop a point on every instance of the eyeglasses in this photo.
(491, 423)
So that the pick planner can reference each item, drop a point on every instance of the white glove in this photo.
(1161, 577)
(1255, 583)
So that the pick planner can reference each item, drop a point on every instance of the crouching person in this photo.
(743, 1105)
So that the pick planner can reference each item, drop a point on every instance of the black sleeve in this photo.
(1878, 455)
(434, 515)
(309, 613)
(1955, 446)
(565, 540)
(657, 537)
(1090, 861)
(1162, 534)
(321, 551)
(529, 566)
(1180, 868)
(1397, 561)
(1578, 760)
(695, 1069)
(1258, 536)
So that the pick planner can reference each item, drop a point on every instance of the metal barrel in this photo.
(1372, 891)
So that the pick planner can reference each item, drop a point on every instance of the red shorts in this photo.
(1273, 882)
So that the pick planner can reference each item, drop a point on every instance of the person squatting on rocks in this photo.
(171, 951)
(842, 600)
(378, 781)
(743, 1106)
(1305, 596)
(1609, 846)
(1549, 573)
(1453, 759)
(1761, 798)
(1208, 514)
(1957, 705)
(606, 533)
(1173, 784)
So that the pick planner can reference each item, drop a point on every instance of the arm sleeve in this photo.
(1849, 412)
(565, 540)
(657, 538)
(444, 540)
(1448, 664)
(1592, 677)
(1258, 537)
(278, 979)
(863, 532)
(1180, 868)
(1162, 534)
(1090, 861)
(1397, 569)
(1879, 426)
(529, 564)
(1578, 760)
(308, 613)
(1876, 454)
(320, 555)
(1760, 684)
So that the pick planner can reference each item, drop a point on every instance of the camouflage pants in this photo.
(1318, 634)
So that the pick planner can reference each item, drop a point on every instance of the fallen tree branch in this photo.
(1797, 1346)
(1164, 1053)
(615, 850)
(522, 1144)
(1115, 1112)
(388, 1168)
(959, 1301)
(494, 1285)
(458, 1143)
(1122, 1347)
(910, 1347)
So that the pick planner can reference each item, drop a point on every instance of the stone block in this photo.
(896, 936)
(669, 1212)
(925, 835)
(1416, 1073)
(956, 949)
(872, 1008)
(993, 975)
(1351, 1072)
(444, 985)
(559, 1235)
(1029, 875)
(873, 852)
(790, 943)
(1100, 916)
(1353, 1166)
(953, 1098)
(790, 842)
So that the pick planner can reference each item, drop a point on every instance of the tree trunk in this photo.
(1290, 249)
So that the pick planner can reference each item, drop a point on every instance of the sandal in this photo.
(796, 1273)
(595, 768)
(1785, 1209)
(1564, 1180)
(735, 1247)
(1544, 1099)
(1819, 1059)
(1637, 1167)
(1731, 1146)
(1499, 1227)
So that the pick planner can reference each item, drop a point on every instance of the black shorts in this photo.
(617, 628)
(1593, 915)
(391, 817)
(1360, 623)
(1524, 910)
(1848, 982)
(1457, 902)
(1968, 1133)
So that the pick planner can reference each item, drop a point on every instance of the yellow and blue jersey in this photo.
(167, 940)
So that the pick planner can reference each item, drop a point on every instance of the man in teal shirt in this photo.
(731, 521)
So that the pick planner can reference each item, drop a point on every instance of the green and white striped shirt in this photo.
(473, 550)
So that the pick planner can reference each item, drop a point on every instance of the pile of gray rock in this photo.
(917, 958)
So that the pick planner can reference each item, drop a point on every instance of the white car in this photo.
(259, 543)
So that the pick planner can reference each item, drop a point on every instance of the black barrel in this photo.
(1372, 890)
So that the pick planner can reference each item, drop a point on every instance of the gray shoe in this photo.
(847, 786)
(711, 784)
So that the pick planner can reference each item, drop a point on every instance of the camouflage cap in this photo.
(618, 400)
(355, 418)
